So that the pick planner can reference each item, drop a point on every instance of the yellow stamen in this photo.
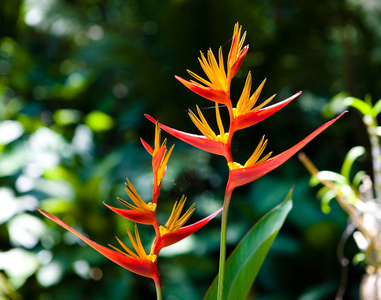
(141, 254)
(134, 196)
(245, 103)
(236, 49)
(243, 100)
(175, 221)
(204, 127)
(215, 71)
(202, 124)
(219, 121)
(163, 164)
(257, 153)
(157, 139)
(234, 165)
(254, 158)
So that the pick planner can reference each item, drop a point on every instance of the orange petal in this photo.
(243, 176)
(198, 141)
(206, 92)
(237, 65)
(142, 267)
(141, 217)
(146, 146)
(252, 118)
(174, 237)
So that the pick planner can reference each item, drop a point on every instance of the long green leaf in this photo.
(245, 261)
(359, 104)
(350, 158)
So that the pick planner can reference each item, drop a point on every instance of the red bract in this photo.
(173, 237)
(241, 176)
(236, 53)
(209, 93)
(252, 118)
(141, 217)
(142, 267)
(198, 141)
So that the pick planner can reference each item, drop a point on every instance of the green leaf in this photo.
(377, 108)
(358, 178)
(245, 261)
(328, 176)
(359, 104)
(351, 156)
(325, 200)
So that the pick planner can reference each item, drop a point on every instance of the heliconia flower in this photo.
(206, 92)
(259, 113)
(160, 157)
(200, 141)
(176, 233)
(246, 102)
(141, 263)
(140, 252)
(254, 158)
(143, 213)
(216, 89)
(240, 175)
(175, 222)
(236, 53)
(204, 127)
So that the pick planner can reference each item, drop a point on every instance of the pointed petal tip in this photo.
(249, 174)
(150, 118)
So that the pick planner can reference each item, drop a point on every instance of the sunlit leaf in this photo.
(99, 121)
(245, 261)
(326, 199)
(328, 176)
(358, 178)
(57, 205)
(351, 156)
(377, 108)
(359, 104)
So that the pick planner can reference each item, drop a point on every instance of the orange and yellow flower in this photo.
(252, 170)
(236, 53)
(139, 263)
(143, 213)
(160, 157)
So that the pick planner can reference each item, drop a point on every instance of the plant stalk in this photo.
(224, 225)
(371, 124)
(159, 295)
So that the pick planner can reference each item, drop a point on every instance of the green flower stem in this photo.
(159, 295)
(224, 225)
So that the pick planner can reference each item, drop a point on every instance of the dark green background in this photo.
(77, 77)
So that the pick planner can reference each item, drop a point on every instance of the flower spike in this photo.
(236, 53)
(145, 267)
(213, 70)
(160, 156)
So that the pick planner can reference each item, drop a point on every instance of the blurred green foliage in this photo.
(75, 80)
